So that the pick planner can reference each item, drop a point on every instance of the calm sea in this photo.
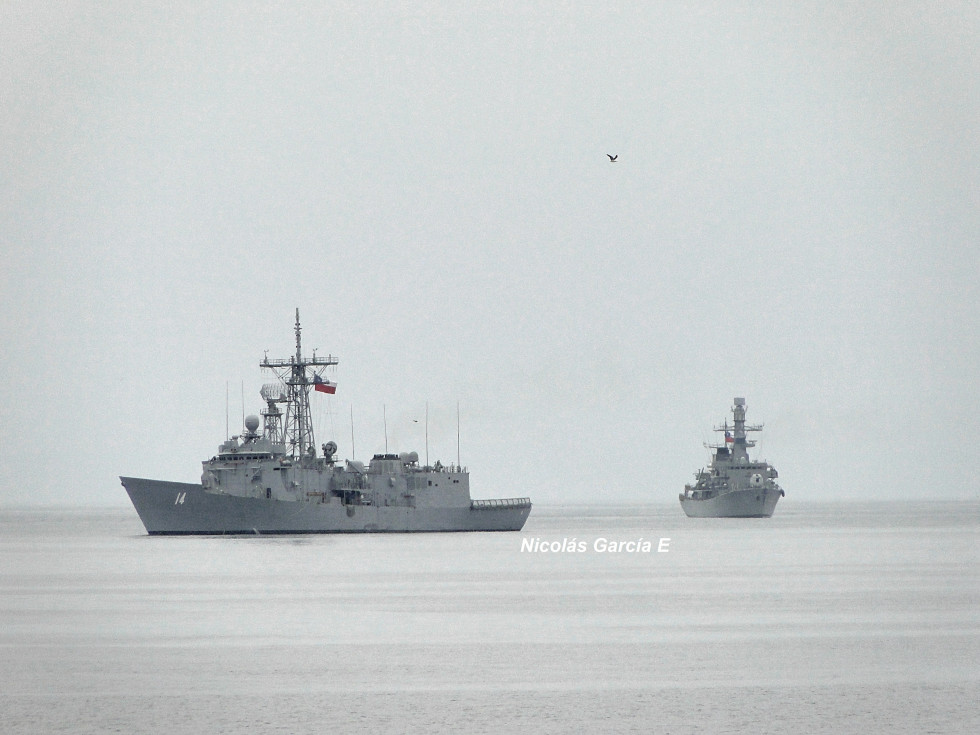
(837, 618)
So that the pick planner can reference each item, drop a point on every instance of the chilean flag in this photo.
(324, 386)
(728, 437)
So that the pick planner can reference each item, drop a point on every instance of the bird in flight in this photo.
(612, 158)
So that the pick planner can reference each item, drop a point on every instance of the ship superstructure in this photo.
(734, 485)
(275, 480)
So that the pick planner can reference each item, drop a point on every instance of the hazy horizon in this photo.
(793, 217)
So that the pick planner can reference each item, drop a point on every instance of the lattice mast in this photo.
(298, 375)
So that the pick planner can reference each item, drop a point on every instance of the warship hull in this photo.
(749, 503)
(177, 508)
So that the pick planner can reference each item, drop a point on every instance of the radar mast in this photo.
(738, 440)
(298, 375)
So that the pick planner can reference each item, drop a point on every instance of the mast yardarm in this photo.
(298, 375)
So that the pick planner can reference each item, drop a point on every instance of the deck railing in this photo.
(500, 503)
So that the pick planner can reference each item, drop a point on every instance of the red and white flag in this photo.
(324, 386)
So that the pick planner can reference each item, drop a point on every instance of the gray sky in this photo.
(794, 217)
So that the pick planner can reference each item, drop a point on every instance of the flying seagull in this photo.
(612, 158)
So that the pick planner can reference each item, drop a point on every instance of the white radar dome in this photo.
(252, 423)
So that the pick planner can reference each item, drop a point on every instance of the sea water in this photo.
(823, 619)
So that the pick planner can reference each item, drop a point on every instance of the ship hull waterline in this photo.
(748, 503)
(178, 508)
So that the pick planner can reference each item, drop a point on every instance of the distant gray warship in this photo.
(273, 482)
(733, 486)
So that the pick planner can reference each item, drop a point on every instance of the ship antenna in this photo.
(293, 372)
(426, 433)
(384, 416)
(353, 456)
(458, 463)
(298, 330)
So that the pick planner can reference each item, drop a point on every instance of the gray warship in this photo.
(733, 486)
(273, 481)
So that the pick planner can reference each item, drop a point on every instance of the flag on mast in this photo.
(324, 386)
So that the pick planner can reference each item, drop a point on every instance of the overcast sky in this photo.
(794, 217)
